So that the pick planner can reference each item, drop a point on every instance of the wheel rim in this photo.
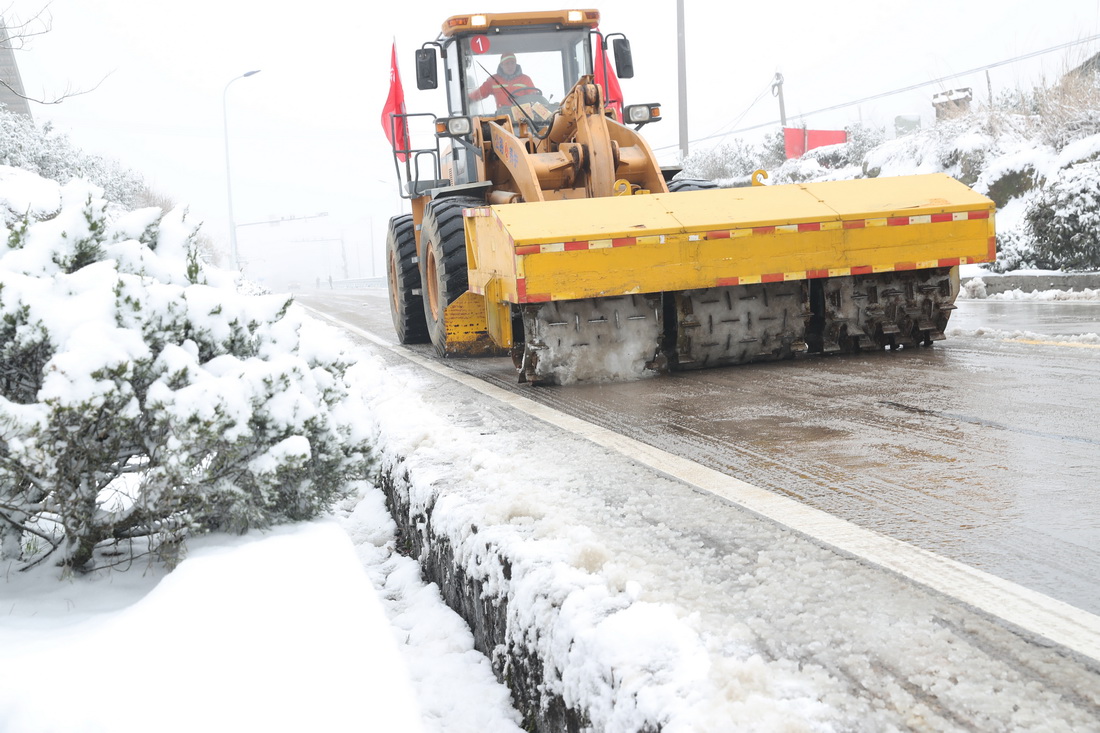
(395, 295)
(431, 283)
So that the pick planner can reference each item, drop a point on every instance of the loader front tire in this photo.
(403, 275)
(443, 262)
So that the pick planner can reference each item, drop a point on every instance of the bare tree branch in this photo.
(39, 25)
(15, 37)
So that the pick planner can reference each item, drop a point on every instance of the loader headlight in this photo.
(641, 114)
(453, 126)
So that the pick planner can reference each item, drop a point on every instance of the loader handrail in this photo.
(412, 185)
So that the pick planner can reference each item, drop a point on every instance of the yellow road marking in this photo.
(1037, 342)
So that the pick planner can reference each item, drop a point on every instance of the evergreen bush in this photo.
(142, 400)
(1063, 220)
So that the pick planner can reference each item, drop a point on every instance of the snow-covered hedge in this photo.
(1064, 220)
(141, 398)
(51, 155)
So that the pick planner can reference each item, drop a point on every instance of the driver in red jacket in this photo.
(509, 79)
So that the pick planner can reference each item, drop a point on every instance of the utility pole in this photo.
(233, 254)
(777, 91)
(681, 51)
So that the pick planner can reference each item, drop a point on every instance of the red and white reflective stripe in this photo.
(584, 245)
(525, 297)
(826, 226)
(778, 277)
(816, 226)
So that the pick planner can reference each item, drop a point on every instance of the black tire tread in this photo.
(690, 184)
(443, 229)
(406, 305)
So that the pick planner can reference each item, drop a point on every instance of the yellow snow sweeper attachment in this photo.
(547, 229)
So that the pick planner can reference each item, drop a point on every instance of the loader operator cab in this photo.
(552, 62)
(553, 49)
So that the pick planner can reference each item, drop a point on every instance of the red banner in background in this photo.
(605, 79)
(798, 141)
(397, 130)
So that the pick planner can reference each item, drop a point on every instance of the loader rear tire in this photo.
(443, 263)
(690, 184)
(403, 275)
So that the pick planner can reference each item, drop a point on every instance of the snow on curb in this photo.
(1056, 287)
(575, 652)
(1029, 336)
(611, 598)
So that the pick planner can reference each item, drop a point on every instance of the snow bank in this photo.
(275, 632)
(1002, 335)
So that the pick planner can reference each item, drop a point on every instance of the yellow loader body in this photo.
(547, 227)
(651, 243)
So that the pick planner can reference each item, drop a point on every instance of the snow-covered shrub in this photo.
(773, 150)
(862, 139)
(142, 399)
(1068, 111)
(1064, 220)
(733, 163)
(734, 160)
(52, 156)
(1015, 251)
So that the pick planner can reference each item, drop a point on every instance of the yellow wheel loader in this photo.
(543, 226)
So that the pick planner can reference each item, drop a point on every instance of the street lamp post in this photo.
(228, 180)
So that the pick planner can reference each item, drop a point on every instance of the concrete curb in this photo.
(995, 284)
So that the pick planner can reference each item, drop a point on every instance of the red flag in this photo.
(397, 130)
(605, 78)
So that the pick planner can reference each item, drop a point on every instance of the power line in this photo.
(902, 90)
(741, 116)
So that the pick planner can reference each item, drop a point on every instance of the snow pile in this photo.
(1087, 339)
(282, 633)
(973, 289)
(1047, 295)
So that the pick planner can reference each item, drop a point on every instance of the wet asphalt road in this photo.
(982, 449)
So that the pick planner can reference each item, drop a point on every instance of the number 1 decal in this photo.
(479, 44)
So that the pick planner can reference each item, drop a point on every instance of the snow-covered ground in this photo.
(317, 626)
(323, 626)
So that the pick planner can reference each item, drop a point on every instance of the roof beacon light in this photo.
(575, 16)
(479, 20)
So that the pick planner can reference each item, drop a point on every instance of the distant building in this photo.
(952, 103)
(906, 125)
(11, 90)
(1089, 69)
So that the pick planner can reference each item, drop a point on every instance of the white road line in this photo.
(1032, 612)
